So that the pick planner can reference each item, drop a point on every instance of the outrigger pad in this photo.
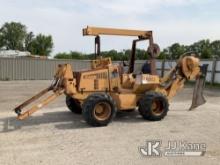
(198, 98)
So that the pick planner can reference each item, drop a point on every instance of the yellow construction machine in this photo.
(99, 92)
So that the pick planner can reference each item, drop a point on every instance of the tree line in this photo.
(204, 48)
(114, 54)
(14, 36)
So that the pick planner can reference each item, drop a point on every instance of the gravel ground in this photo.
(54, 135)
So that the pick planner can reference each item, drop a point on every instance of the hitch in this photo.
(63, 79)
(34, 108)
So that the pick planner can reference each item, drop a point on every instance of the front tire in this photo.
(99, 109)
(153, 106)
(73, 105)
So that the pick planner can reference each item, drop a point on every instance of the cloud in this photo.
(183, 21)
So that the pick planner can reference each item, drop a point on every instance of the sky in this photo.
(183, 21)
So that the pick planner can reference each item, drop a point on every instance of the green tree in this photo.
(215, 46)
(63, 56)
(176, 50)
(42, 45)
(76, 55)
(12, 35)
(203, 47)
(141, 54)
(164, 54)
(1, 42)
(111, 53)
(127, 54)
(28, 41)
(71, 55)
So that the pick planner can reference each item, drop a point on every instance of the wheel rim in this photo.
(157, 107)
(102, 111)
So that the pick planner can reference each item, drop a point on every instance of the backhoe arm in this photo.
(187, 68)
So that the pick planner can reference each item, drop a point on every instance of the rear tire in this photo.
(99, 109)
(153, 106)
(73, 105)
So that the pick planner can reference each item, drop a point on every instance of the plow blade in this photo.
(198, 98)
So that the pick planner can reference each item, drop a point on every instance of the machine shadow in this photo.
(62, 120)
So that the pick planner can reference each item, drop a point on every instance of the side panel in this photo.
(145, 82)
(114, 78)
(96, 80)
(125, 101)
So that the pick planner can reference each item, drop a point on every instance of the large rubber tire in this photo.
(73, 105)
(153, 106)
(95, 102)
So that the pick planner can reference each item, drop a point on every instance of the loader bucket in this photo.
(198, 98)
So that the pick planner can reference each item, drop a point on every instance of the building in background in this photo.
(19, 54)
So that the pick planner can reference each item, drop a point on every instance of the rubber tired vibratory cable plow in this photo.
(97, 93)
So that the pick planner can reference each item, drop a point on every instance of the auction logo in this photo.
(153, 148)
